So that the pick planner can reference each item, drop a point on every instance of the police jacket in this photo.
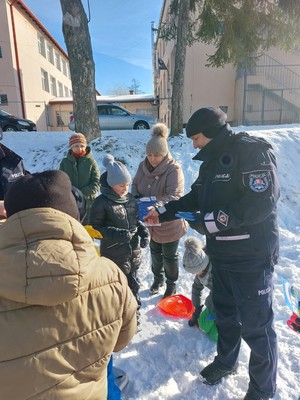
(11, 168)
(236, 193)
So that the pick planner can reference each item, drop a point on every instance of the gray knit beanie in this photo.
(158, 142)
(117, 173)
(195, 260)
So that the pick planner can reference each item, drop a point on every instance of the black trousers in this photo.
(243, 305)
(165, 261)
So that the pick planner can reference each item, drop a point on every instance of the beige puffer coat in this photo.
(166, 182)
(63, 309)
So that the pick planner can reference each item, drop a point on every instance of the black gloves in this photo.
(120, 235)
(198, 223)
(195, 316)
(144, 242)
(143, 232)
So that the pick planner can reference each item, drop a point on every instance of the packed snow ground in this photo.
(164, 359)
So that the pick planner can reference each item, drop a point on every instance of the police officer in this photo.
(11, 168)
(233, 202)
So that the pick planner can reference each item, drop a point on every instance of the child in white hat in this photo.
(196, 261)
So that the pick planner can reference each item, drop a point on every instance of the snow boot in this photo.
(212, 374)
(251, 395)
(156, 285)
(170, 290)
(121, 378)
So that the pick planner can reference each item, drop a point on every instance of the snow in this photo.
(165, 357)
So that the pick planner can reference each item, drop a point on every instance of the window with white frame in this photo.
(45, 80)
(53, 86)
(64, 67)
(57, 61)
(68, 71)
(50, 55)
(66, 92)
(41, 45)
(60, 89)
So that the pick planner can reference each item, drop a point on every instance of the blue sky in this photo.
(120, 31)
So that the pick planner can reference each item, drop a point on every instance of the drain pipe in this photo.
(17, 56)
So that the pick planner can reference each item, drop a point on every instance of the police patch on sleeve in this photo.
(223, 218)
(258, 182)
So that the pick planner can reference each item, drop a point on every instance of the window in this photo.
(0, 52)
(53, 86)
(60, 89)
(45, 80)
(64, 67)
(117, 111)
(50, 56)
(3, 99)
(224, 109)
(41, 45)
(57, 61)
(66, 92)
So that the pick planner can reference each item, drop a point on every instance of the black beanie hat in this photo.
(207, 121)
(43, 189)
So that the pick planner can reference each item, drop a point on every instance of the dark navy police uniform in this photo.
(236, 193)
(11, 168)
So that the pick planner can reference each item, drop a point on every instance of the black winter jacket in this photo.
(11, 168)
(117, 220)
(236, 193)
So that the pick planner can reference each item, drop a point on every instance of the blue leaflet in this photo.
(143, 204)
(186, 215)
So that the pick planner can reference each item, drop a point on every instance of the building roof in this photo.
(39, 24)
(129, 98)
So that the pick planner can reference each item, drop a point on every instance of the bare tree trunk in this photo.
(82, 68)
(178, 79)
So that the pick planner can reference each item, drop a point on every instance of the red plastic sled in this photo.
(294, 323)
(177, 306)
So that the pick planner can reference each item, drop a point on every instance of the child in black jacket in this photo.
(115, 215)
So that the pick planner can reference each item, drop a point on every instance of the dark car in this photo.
(9, 122)
(112, 116)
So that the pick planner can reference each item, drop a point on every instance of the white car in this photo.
(112, 116)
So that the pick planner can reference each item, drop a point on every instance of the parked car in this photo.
(112, 116)
(9, 122)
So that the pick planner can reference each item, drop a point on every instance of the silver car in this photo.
(112, 116)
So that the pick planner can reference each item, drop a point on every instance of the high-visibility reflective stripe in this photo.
(239, 237)
(210, 223)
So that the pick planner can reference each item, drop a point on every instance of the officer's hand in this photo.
(198, 223)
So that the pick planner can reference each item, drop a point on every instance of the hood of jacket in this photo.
(63, 309)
